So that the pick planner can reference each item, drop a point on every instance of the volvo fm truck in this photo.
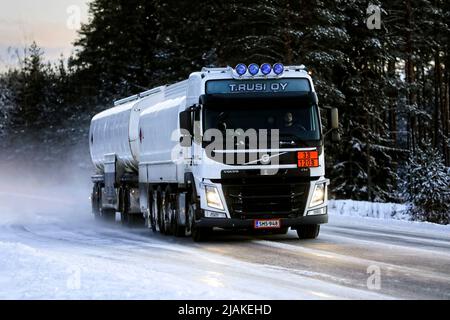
(229, 148)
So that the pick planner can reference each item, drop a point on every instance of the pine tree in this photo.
(116, 50)
(6, 105)
(427, 186)
(392, 86)
(30, 84)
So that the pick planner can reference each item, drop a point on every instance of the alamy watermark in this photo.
(236, 147)
(373, 21)
(374, 279)
(73, 21)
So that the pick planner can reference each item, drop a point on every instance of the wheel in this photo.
(177, 230)
(132, 220)
(200, 234)
(108, 215)
(129, 219)
(95, 202)
(170, 212)
(154, 211)
(150, 218)
(308, 231)
(159, 210)
(164, 216)
(197, 234)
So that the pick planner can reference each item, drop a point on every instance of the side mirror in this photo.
(334, 118)
(186, 128)
(335, 136)
(333, 122)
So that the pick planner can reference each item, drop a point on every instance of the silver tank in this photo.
(116, 131)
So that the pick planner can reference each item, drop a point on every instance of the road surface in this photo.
(50, 248)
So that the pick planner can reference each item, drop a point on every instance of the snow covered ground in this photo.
(369, 209)
(50, 248)
(64, 255)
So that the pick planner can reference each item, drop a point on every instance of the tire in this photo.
(170, 212)
(132, 220)
(159, 213)
(97, 217)
(197, 234)
(154, 211)
(200, 234)
(108, 215)
(164, 218)
(177, 230)
(308, 231)
(128, 219)
(95, 202)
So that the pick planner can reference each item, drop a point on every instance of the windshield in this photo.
(295, 123)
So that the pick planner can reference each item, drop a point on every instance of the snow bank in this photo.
(376, 210)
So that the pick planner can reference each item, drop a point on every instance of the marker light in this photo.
(253, 69)
(241, 69)
(278, 68)
(266, 68)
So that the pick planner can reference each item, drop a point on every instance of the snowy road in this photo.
(53, 249)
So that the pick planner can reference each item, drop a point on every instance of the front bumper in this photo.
(249, 223)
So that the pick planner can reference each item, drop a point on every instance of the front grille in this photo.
(259, 200)
(254, 158)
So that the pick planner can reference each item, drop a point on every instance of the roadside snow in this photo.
(382, 216)
(377, 210)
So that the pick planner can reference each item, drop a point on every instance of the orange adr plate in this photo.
(308, 159)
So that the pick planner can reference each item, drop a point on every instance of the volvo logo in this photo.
(265, 159)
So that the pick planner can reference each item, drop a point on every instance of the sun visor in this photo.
(298, 98)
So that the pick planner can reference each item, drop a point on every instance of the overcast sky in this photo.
(44, 21)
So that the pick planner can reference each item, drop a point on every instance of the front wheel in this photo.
(197, 234)
(308, 231)
(200, 234)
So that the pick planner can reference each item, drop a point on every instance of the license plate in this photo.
(268, 224)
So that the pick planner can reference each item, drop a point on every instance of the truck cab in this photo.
(268, 170)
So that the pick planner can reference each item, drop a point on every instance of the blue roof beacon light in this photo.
(253, 69)
(241, 69)
(266, 68)
(278, 68)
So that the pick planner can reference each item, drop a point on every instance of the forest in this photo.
(391, 84)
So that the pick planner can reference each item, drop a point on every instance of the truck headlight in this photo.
(213, 198)
(318, 197)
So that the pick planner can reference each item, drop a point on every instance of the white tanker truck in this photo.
(228, 148)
